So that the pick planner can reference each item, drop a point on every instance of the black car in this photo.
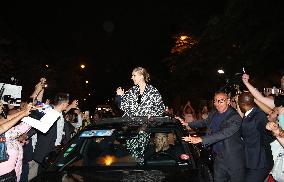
(130, 149)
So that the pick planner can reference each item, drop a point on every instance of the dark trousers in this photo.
(223, 174)
(256, 175)
(25, 172)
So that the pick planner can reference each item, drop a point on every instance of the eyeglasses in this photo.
(220, 101)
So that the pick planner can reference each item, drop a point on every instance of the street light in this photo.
(87, 81)
(82, 66)
(220, 71)
(183, 37)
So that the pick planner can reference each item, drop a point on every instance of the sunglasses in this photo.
(220, 101)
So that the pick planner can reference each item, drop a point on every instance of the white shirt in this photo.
(247, 113)
(79, 123)
(60, 132)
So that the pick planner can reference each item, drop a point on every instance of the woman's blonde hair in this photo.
(144, 72)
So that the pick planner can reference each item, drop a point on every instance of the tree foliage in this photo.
(247, 34)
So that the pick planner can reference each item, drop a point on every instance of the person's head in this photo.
(161, 142)
(171, 138)
(69, 117)
(188, 117)
(140, 75)
(86, 115)
(188, 109)
(273, 114)
(246, 101)
(61, 101)
(221, 101)
(171, 111)
(205, 110)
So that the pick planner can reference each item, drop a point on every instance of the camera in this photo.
(9, 99)
(11, 94)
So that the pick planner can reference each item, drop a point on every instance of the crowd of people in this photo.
(24, 148)
(246, 138)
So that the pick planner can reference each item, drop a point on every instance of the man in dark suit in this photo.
(224, 136)
(257, 140)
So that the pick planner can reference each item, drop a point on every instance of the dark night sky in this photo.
(115, 31)
(109, 37)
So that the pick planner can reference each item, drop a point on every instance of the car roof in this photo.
(137, 121)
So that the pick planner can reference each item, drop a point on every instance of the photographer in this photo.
(29, 141)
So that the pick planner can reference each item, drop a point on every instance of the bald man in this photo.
(223, 135)
(257, 139)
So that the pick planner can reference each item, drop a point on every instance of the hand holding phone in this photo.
(43, 82)
(244, 71)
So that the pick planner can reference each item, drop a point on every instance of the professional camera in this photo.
(10, 94)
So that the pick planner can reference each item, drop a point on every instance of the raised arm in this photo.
(73, 105)
(9, 123)
(263, 106)
(257, 95)
(37, 95)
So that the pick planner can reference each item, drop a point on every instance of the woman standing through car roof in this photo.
(142, 99)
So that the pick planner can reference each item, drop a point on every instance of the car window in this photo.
(107, 151)
(162, 147)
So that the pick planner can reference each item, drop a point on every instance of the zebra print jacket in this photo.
(151, 102)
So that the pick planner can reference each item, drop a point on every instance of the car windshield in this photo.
(115, 147)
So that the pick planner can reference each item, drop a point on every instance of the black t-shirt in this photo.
(279, 100)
